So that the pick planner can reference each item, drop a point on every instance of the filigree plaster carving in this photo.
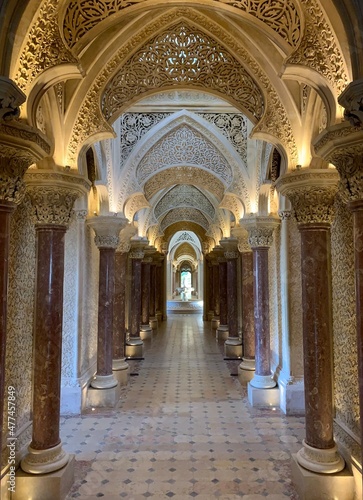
(260, 237)
(44, 46)
(51, 205)
(319, 49)
(184, 196)
(348, 161)
(184, 214)
(280, 15)
(233, 204)
(103, 241)
(184, 146)
(12, 169)
(136, 203)
(184, 175)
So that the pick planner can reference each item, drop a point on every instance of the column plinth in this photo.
(312, 194)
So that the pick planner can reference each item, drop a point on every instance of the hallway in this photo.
(183, 429)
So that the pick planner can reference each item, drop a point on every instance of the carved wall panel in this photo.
(19, 354)
(344, 327)
(184, 146)
(280, 15)
(184, 196)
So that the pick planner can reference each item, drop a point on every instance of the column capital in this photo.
(11, 98)
(242, 237)
(137, 251)
(285, 215)
(311, 192)
(260, 230)
(352, 100)
(230, 247)
(107, 229)
(53, 194)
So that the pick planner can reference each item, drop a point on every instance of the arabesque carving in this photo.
(13, 165)
(348, 161)
(184, 196)
(319, 49)
(233, 204)
(184, 214)
(184, 175)
(176, 56)
(280, 15)
(136, 203)
(44, 47)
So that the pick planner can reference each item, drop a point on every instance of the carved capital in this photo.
(107, 229)
(53, 194)
(312, 193)
(352, 100)
(260, 230)
(349, 163)
(242, 238)
(285, 215)
(136, 253)
(12, 169)
(11, 97)
(123, 246)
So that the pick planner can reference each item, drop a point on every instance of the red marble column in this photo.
(52, 196)
(312, 194)
(248, 320)
(119, 311)
(159, 289)
(260, 230)
(145, 328)
(152, 303)
(223, 300)
(134, 343)
(6, 210)
(216, 305)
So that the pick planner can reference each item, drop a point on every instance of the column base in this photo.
(246, 371)
(222, 332)
(159, 316)
(292, 396)
(134, 348)
(120, 370)
(263, 397)
(146, 332)
(44, 461)
(263, 382)
(321, 461)
(233, 348)
(55, 485)
(153, 324)
(210, 315)
(312, 486)
(215, 323)
(103, 398)
(103, 382)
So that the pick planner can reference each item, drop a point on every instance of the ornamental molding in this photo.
(53, 195)
(44, 47)
(318, 52)
(283, 17)
(311, 193)
(90, 120)
(184, 175)
(23, 136)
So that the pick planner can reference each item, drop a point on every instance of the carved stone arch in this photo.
(182, 225)
(184, 214)
(184, 195)
(285, 21)
(135, 203)
(232, 203)
(206, 134)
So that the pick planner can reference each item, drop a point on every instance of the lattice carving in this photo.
(90, 121)
(184, 196)
(234, 127)
(184, 146)
(44, 47)
(182, 55)
(280, 15)
(318, 49)
(184, 175)
(184, 214)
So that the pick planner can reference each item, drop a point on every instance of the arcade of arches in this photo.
(204, 151)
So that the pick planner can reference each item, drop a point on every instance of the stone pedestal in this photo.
(215, 323)
(146, 332)
(246, 371)
(54, 485)
(233, 348)
(263, 397)
(121, 371)
(153, 324)
(103, 398)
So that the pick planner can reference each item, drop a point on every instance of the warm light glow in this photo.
(304, 157)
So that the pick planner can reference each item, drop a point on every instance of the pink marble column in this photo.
(52, 196)
(145, 328)
(152, 302)
(312, 194)
(107, 229)
(159, 288)
(216, 305)
(223, 300)
(119, 311)
(260, 230)
(134, 343)
(248, 320)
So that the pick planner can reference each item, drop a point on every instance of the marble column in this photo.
(119, 308)
(159, 289)
(247, 367)
(260, 230)
(134, 343)
(312, 193)
(145, 328)
(233, 344)
(52, 195)
(210, 290)
(107, 229)
(215, 285)
(152, 303)
(222, 330)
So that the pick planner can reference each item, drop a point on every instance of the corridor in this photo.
(183, 429)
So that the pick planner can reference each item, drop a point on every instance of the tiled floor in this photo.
(183, 429)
